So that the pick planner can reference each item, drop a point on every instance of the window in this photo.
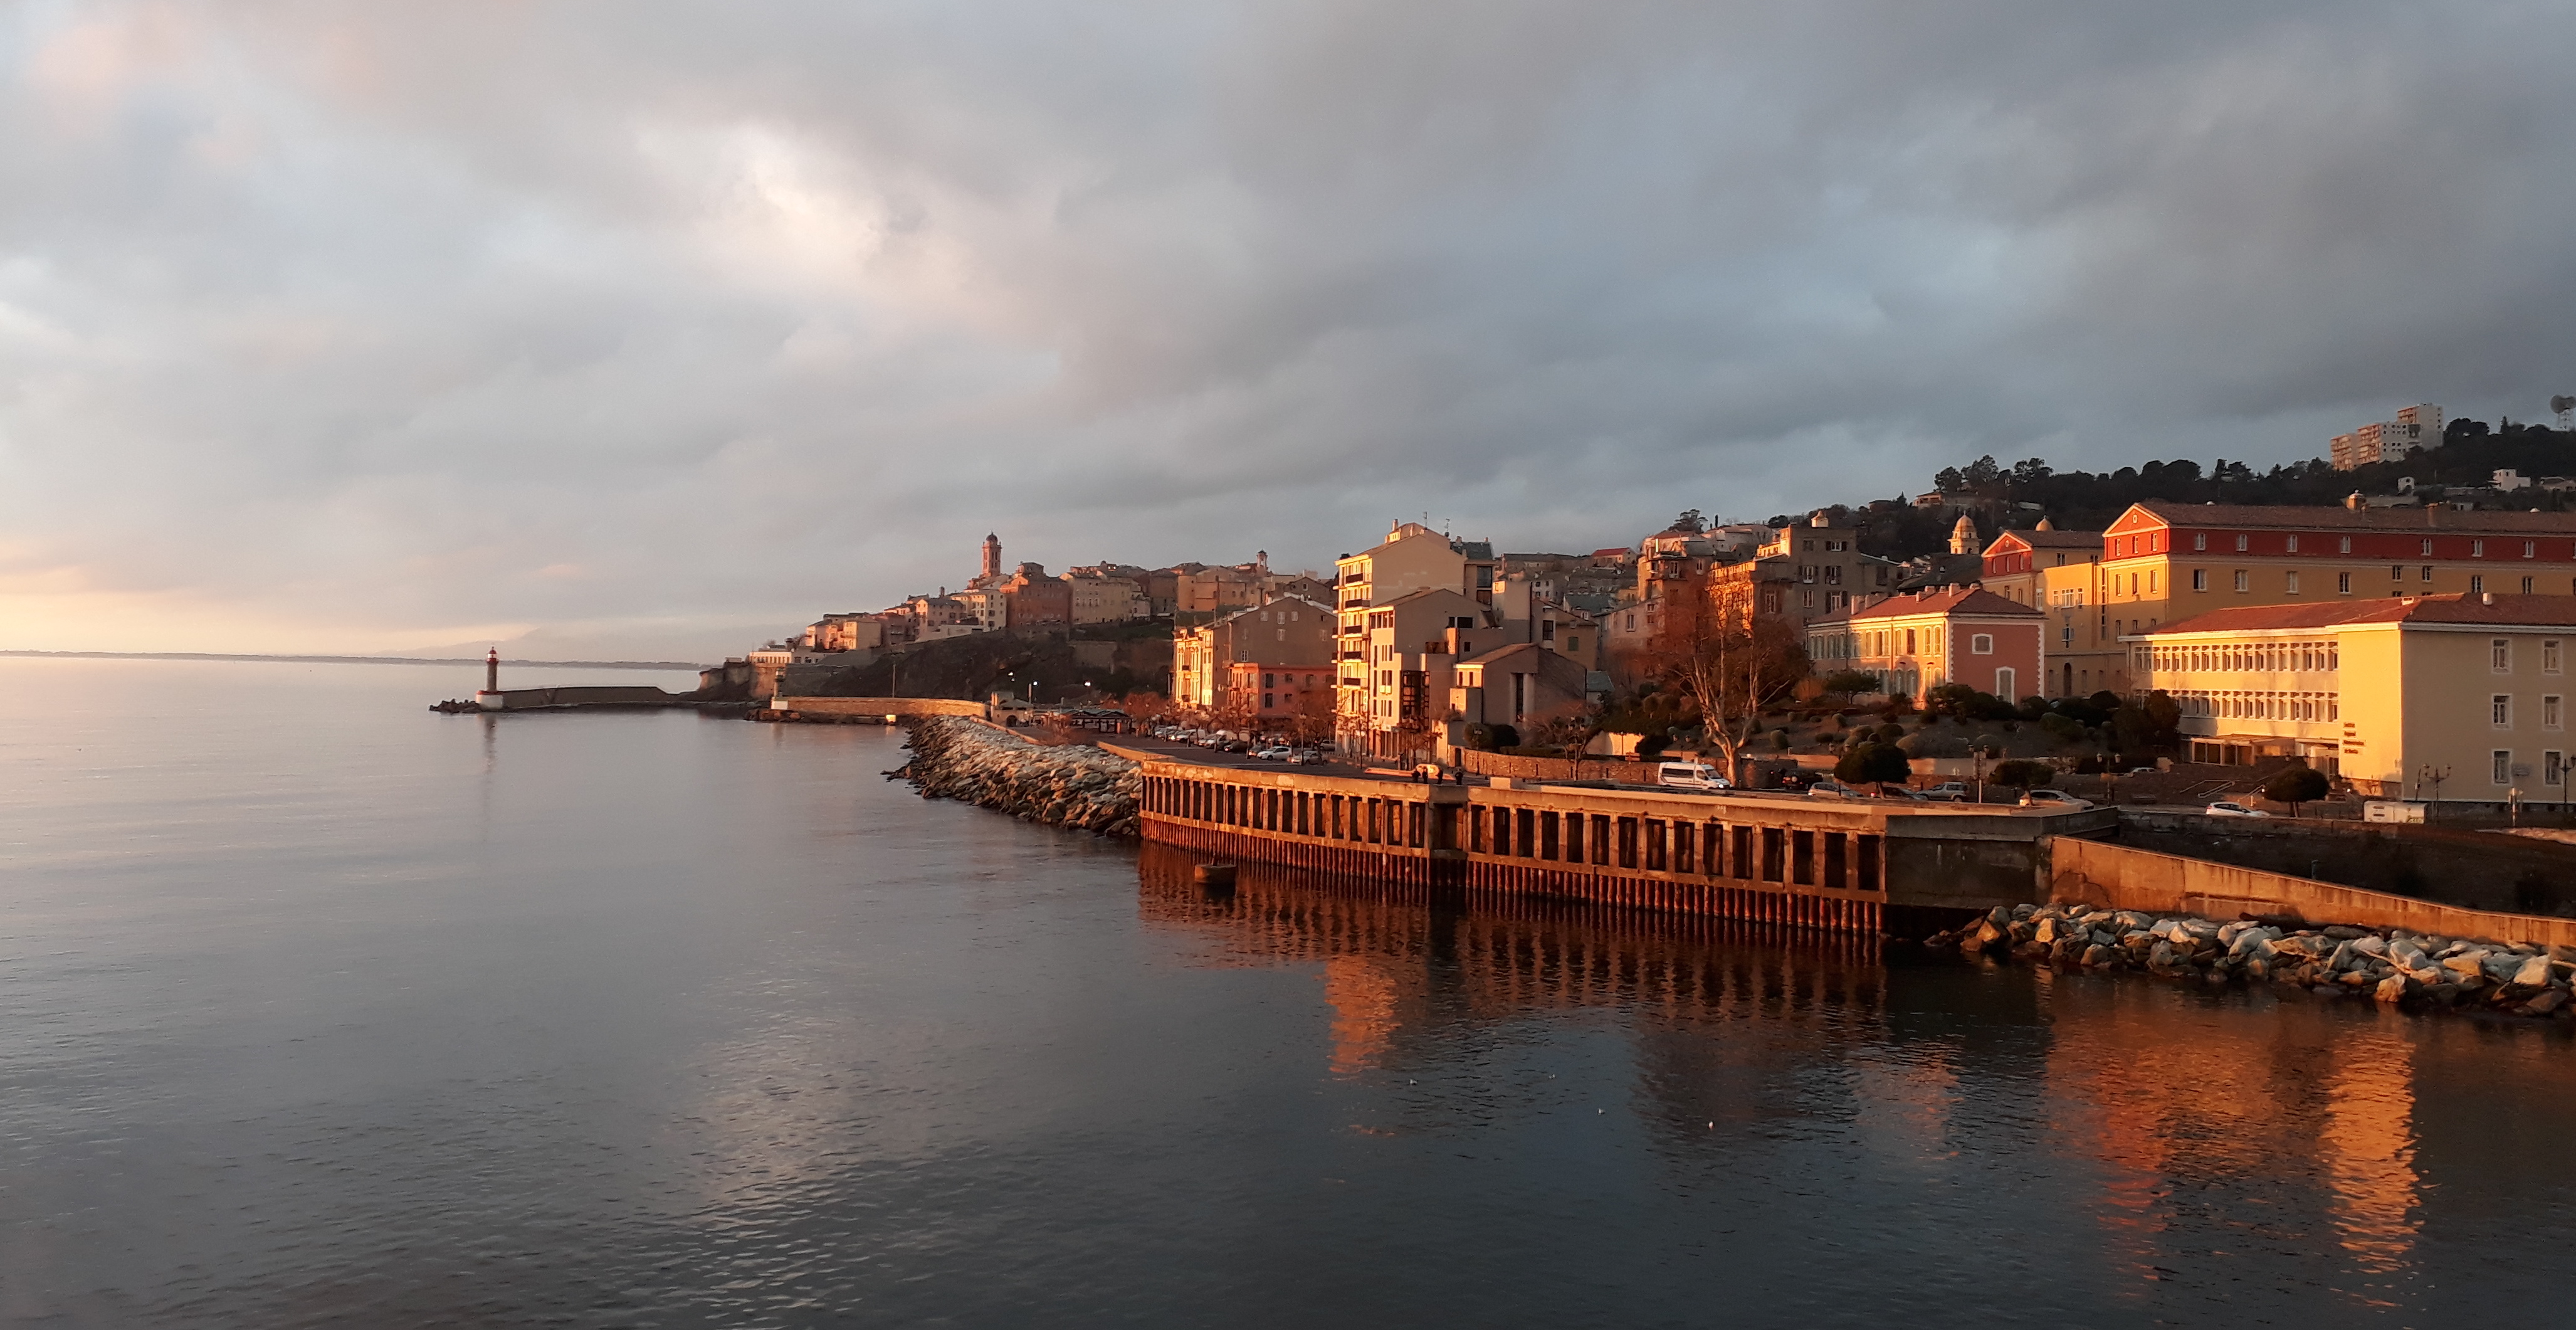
(2066, 635)
(2549, 655)
(2531, 549)
(2292, 582)
(1268, 701)
(2396, 572)
(2240, 544)
(1983, 644)
(2428, 549)
(1909, 641)
(2500, 655)
(2293, 546)
(2244, 580)
(2500, 710)
(2343, 584)
(2553, 768)
(2151, 581)
(2200, 540)
(2477, 549)
(2477, 583)
(2526, 586)
(2200, 579)
(2343, 545)
(2552, 713)
(1269, 681)
(2503, 759)
(1806, 600)
(2428, 572)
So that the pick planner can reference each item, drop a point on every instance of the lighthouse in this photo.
(490, 698)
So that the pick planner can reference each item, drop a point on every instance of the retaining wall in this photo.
(2475, 870)
(2128, 878)
(861, 710)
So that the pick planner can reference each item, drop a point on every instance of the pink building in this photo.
(1920, 640)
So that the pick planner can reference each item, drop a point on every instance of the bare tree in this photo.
(1717, 649)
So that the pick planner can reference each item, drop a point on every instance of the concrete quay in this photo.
(1841, 865)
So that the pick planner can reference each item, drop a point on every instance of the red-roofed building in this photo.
(1921, 640)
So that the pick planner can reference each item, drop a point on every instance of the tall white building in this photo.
(2417, 426)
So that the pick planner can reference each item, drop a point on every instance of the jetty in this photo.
(1841, 865)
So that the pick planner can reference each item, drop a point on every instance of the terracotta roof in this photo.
(2263, 517)
(2502, 611)
(1948, 600)
(2061, 540)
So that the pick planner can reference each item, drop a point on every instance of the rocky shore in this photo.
(1061, 785)
(2386, 965)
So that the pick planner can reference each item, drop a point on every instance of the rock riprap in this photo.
(1061, 785)
(2386, 965)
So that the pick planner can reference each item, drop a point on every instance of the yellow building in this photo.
(2163, 561)
(2455, 697)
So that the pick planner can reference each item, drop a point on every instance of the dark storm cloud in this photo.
(404, 319)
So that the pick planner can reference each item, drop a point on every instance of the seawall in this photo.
(864, 710)
(1061, 785)
(2126, 877)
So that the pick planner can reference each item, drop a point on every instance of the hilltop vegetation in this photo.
(2088, 501)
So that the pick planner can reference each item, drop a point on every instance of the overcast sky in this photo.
(641, 328)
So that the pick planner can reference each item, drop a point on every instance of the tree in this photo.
(1730, 661)
(1689, 521)
(1313, 723)
(2295, 786)
(1844, 683)
(1873, 764)
(2022, 774)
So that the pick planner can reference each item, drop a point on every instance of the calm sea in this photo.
(320, 1009)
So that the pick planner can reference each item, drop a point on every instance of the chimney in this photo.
(2486, 598)
(2354, 501)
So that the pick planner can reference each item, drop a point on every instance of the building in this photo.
(2453, 697)
(2418, 426)
(1920, 641)
(845, 632)
(1406, 650)
(2012, 564)
(1273, 696)
(1291, 636)
(1103, 597)
(1523, 685)
(1412, 558)
(1035, 600)
(2162, 561)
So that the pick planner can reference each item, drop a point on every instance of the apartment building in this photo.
(1294, 637)
(2455, 697)
(2417, 426)
(1806, 572)
(1412, 558)
(1921, 640)
(2162, 561)
(1099, 597)
(1408, 647)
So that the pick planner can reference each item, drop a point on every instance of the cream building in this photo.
(2456, 697)
(1412, 558)
(1101, 598)
(1288, 634)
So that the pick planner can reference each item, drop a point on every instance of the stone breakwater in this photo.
(2391, 966)
(1061, 785)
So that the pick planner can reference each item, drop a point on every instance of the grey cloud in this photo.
(413, 316)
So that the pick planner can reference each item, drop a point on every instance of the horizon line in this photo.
(353, 660)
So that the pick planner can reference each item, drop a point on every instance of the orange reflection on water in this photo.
(2369, 1141)
(2183, 1106)
(1363, 998)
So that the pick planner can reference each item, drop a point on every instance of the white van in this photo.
(1690, 776)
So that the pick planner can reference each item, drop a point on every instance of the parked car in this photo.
(1691, 776)
(2057, 799)
(1832, 789)
(1796, 780)
(1948, 792)
(1902, 793)
(2139, 771)
(1304, 757)
(2231, 808)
